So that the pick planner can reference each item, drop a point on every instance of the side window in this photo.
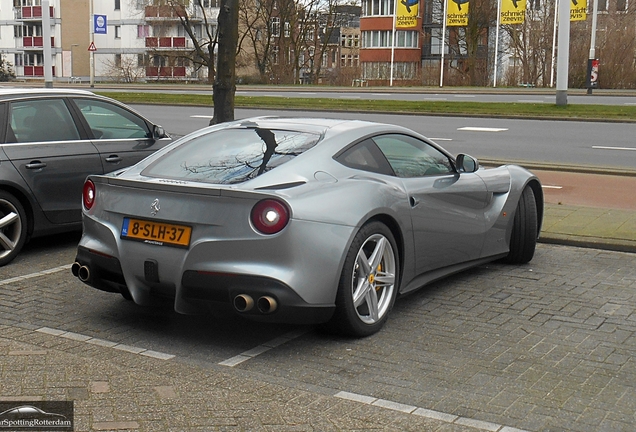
(109, 121)
(410, 157)
(365, 156)
(42, 120)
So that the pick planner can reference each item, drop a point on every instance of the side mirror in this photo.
(466, 164)
(159, 132)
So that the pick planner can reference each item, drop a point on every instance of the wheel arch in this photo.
(395, 229)
(538, 198)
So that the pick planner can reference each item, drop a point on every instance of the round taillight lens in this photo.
(88, 194)
(270, 216)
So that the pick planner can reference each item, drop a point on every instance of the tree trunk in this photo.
(225, 80)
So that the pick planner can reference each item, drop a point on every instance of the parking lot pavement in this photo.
(545, 346)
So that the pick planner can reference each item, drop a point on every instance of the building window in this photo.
(621, 5)
(117, 4)
(143, 31)
(117, 32)
(275, 55)
(377, 7)
(287, 29)
(275, 26)
(118, 60)
(18, 60)
(383, 38)
(602, 5)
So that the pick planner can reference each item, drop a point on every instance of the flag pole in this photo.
(494, 78)
(393, 41)
(441, 74)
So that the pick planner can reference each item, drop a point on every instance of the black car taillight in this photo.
(88, 194)
(270, 216)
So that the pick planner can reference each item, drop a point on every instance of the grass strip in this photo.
(485, 109)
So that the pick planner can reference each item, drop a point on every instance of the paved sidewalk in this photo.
(116, 390)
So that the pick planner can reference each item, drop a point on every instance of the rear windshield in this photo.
(231, 156)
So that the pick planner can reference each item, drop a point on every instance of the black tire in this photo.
(13, 227)
(376, 287)
(523, 240)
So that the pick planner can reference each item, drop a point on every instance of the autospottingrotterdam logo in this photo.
(36, 416)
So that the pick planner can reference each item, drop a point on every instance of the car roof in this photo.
(13, 92)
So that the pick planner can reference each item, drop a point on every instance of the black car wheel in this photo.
(523, 240)
(13, 227)
(368, 284)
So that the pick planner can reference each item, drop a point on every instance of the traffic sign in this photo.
(92, 47)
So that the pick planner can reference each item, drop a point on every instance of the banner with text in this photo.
(512, 12)
(457, 13)
(578, 10)
(407, 11)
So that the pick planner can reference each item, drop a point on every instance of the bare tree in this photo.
(204, 43)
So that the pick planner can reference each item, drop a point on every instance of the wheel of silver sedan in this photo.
(369, 282)
(373, 279)
(12, 227)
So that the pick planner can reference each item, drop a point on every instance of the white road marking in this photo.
(423, 412)
(104, 343)
(613, 148)
(202, 116)
(530, 101)
(551, 187)
(382, 94)
(37, 274)
(481, 129)
(250, 354)
(349, 97)
(307, 93)
(464, 96)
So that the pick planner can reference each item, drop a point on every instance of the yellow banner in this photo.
(457, 13)
(512, 11)
(578, 10)
(407, 11)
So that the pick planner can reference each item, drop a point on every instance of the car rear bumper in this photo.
(251, 296)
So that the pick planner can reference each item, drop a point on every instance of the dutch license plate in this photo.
(157, 233)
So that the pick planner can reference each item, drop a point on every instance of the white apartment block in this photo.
(143, 41)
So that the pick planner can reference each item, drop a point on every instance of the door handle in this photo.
(113, 159)
(414, 201)
(36, 164)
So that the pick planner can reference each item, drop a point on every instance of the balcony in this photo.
(36, 42)
(164, 12)
(178, 42)
(35, 71)
(166, 71)
(31, 13)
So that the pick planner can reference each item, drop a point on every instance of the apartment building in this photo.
(138, 40)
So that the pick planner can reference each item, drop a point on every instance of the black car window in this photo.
(109, 121)
(230, 156)
(411, 157)
(365, 156)
(42, 120)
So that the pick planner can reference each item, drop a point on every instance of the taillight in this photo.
(88, 194)
(270, 216)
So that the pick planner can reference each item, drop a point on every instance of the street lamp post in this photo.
(592, 43)
(72, 60)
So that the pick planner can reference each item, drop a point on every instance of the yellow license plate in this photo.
(157, 233)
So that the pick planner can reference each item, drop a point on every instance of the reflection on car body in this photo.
(50, 140)
(301, 220)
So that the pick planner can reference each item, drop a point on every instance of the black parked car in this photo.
(50, 140)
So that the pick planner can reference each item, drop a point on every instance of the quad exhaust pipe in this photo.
(81, 271)
(245, 303)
